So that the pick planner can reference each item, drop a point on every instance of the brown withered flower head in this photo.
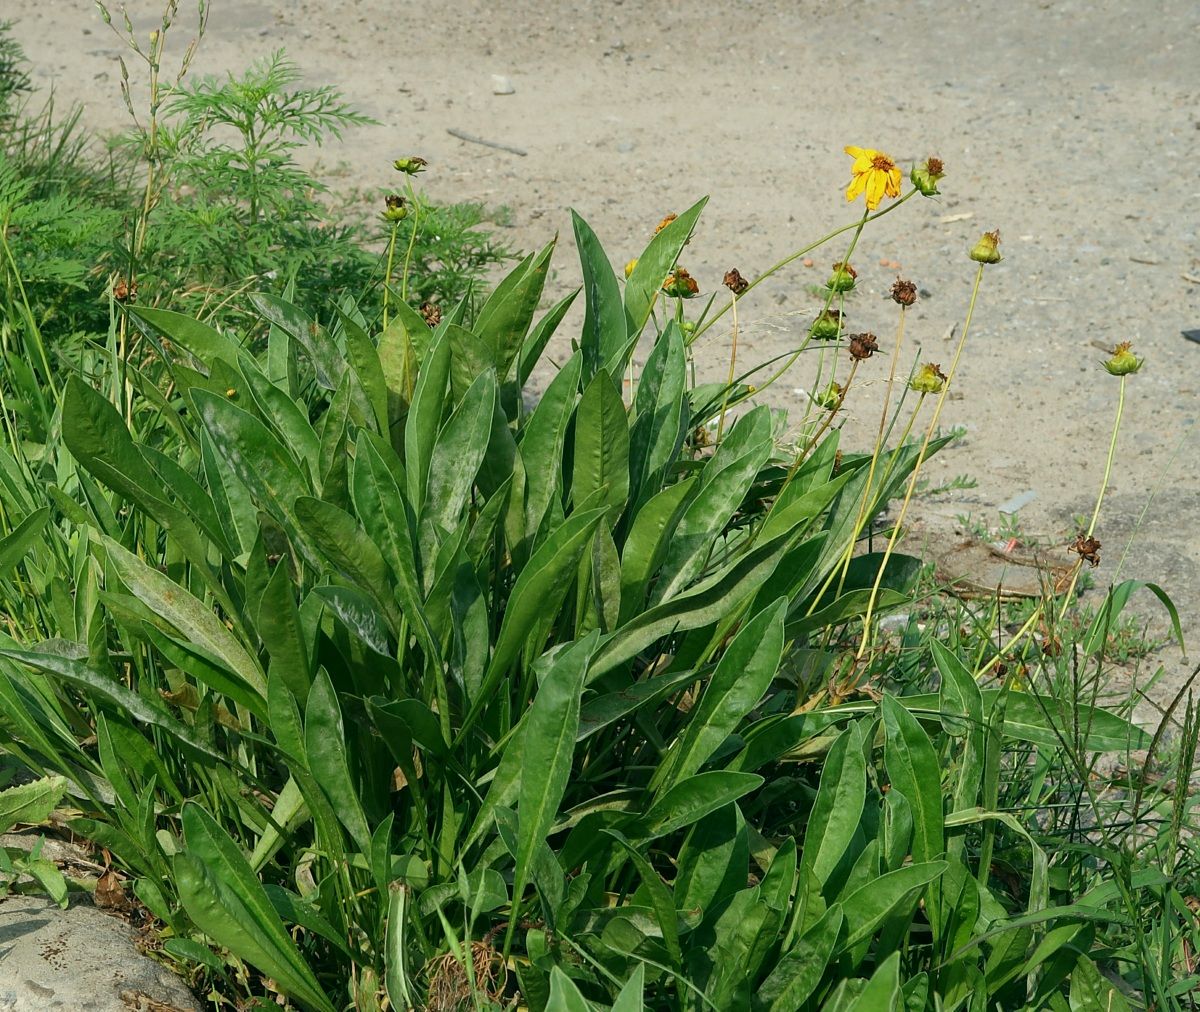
(735, 282)
(863, 346)
(432, 313)
(1087, 548)
(904, 292)
(125, 290)
(665, 222)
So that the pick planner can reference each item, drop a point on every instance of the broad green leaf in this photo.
(23, 537)
(504, 319)
(693, 799)
(536, 598)
(1114, 604)
(601, 458)
(660, 407)
(551, 726)
(837, 811)
(224, 898)
(723, 485)
(540, 336)
(199, 340)
(328, 760)
(913, 768)
(564, 995)
(739, 682)
(457, 453)
(660, 898)
(543, 440)
(31, 803)
(339, 539)
(605, 334)
(866, 908)
(285, 416)
(798, 971)
(882, 993)
(701, 605)
(713, 863)
(425, 419)
(647, 543)
(631, 997)
(326, 359)
(193, 619)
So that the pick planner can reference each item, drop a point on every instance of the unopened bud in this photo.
(1123, 361)
(929, 380)
(630, 267)
(396, 208)
(987, 250)
(827, 326)
(680, 284)
(830, 397)
(842, 278)
(925, 176)
(410, 165)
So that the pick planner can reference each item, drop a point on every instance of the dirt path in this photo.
(1071, 126)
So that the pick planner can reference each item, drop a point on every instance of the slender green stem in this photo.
(412, 240)
(774, 269)
(1108, 463)
(912, 481)
(732, 366)
(387, 276)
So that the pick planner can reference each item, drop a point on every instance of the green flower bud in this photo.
(1123, 361)
(842, 278)
(925, 176)
(829, 398)
(396, 208)
(987, 250)
(928, 380)
(827, 326)
(410, 165)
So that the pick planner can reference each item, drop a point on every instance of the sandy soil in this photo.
(1073, 127)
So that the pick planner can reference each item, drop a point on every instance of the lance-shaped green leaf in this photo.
(193, 619)
(605, 335)
(601, 459)
(551, 727)
(837, 811)
(913, 767)
(543, 439)
(225, 900)
(205, 344)
(740, 679)
(326, 359)
(17, 544)
(328, 761)
(660, 406)
(504, 319)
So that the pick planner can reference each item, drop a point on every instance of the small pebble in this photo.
(501, 85)
(807, 261)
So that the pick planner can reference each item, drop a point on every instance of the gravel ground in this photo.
(1070, 126)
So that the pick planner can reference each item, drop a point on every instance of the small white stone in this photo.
(501, 85)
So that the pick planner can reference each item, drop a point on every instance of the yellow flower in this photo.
(874, 174)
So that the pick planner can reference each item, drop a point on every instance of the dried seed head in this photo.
(863, 346)
(904, 292)
(929, 379)
(125, 290)
(410, 165)
(735, 282)
(1087, 548)
(395, 208)
(432, 313)
(925, 176)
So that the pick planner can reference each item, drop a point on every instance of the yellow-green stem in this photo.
(912, 481)
(387, 275)
(732, 366)
(1112, 452)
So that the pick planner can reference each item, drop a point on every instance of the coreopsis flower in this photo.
(827, 326)
(874, 174)
(630, 267)
(925, 176)
(987, 250)
(681, 284)
(1123, 362)
(904, 292)
(410, 165)
(929, 379)
(396, 208)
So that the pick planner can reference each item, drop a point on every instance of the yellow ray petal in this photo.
(857, 185)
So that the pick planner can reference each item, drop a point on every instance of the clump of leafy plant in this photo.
(388, 690)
